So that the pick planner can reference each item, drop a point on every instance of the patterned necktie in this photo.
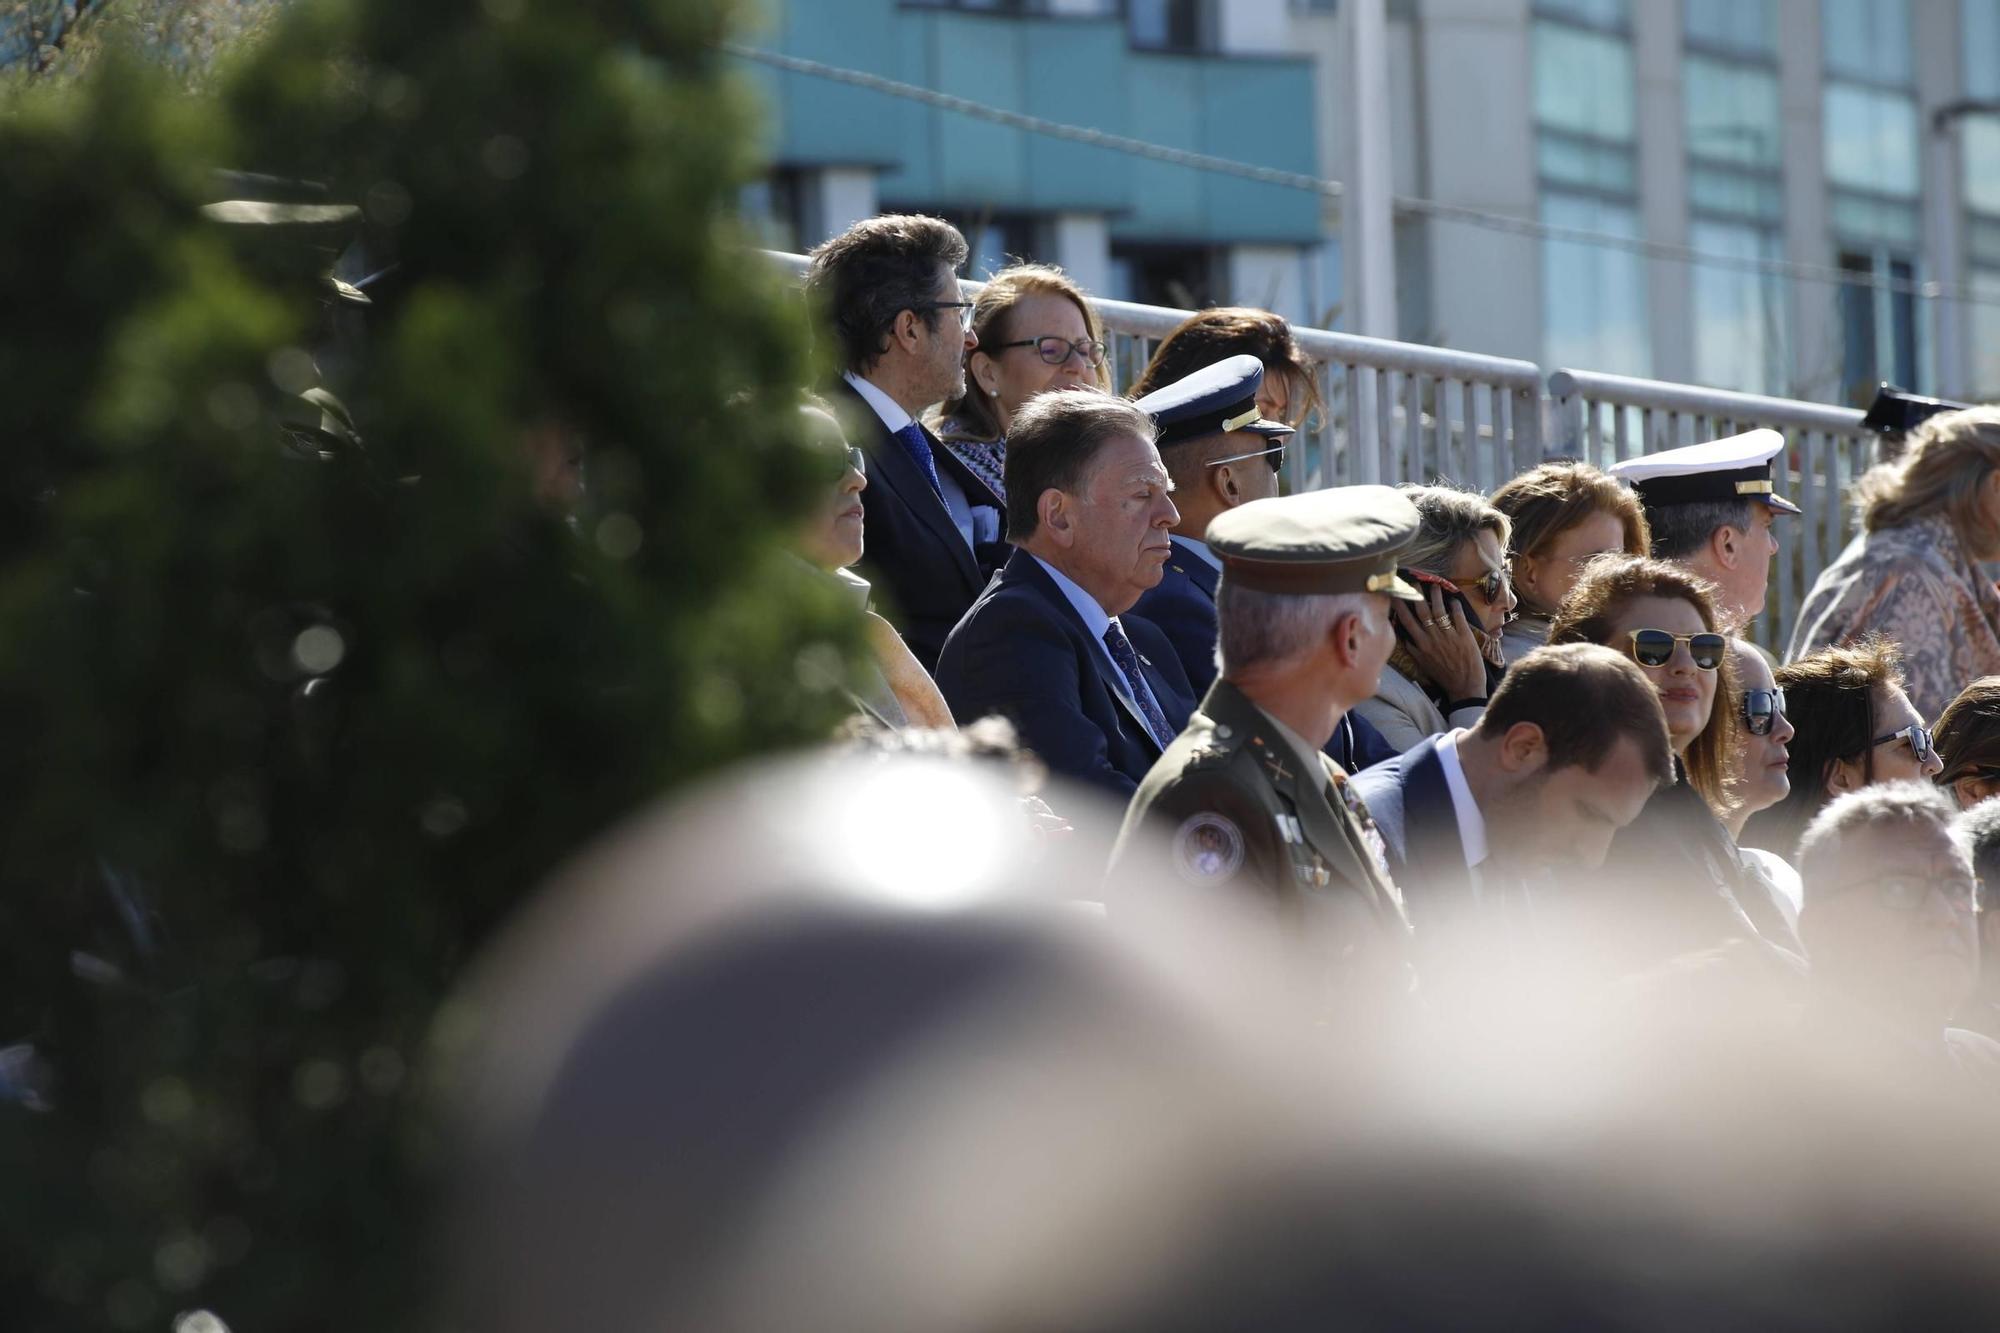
(911, 436)
(1128, 663)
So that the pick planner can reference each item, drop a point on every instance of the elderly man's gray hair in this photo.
(1258, 628)
(1887, 803)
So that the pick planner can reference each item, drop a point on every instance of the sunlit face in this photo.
(1749, 583)
(1119, 543)
(1566, 818)
(1687, 693)
(944, 343)
(832, 537)
(1890, 906)
(1009, 375)
(1764, 761)
(1479, 568)
(1543, 581)
(1897, 760)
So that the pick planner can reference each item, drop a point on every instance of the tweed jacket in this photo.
(1916, 585)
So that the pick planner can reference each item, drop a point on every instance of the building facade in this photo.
(1855, 138)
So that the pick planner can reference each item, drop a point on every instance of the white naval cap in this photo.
(1736, 468)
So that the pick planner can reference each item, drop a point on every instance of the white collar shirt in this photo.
(895, 418)
(1471, 824)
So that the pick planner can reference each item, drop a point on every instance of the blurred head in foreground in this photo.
(753, 1065)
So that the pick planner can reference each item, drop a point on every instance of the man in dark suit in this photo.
(1222, 452)
(1088, 510)
(1570, 748)
(934, 532)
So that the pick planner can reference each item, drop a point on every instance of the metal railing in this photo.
(1395, 412)
(1604, 419)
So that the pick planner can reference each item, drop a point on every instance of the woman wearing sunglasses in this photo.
(1564, 516)
(1968, 744)
(1693, 889)
(1036, 332)
(1447, 654)
(1855, 727)
(892, 687)
(1763, 773)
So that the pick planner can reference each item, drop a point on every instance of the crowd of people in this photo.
(1420, 724)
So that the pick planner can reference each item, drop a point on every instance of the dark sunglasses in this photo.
(1655, 648)
(1276, 453)
(1918, 737)
(847, 460)
(1492, 589)
(1055, 351)
(1761, 710)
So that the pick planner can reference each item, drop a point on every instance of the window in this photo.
(1170, 25)
(774, 207)
(1183, 277)
(1593, 295)
(1870, 117)
(1735, 197)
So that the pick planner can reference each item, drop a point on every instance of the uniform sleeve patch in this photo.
(1208, 846)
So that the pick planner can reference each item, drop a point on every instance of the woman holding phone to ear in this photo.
(1447, 655)
(1680, 874)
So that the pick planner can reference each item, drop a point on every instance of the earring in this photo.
(993, 393)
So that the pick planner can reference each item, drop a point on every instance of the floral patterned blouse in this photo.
(1913, 584)
(986, 459)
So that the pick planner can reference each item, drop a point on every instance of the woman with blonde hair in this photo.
(1691, 887)
(1447, 655)
(1036, 332)
(1913, 575)
(1564, 515)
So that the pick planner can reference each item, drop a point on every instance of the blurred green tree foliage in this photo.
(286, 733)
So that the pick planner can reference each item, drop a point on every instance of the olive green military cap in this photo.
(1344, 539)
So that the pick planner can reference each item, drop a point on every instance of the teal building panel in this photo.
(1072, 71)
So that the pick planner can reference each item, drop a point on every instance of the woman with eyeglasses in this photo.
(1968, 745)
(1564, 515)
(893, 687)
(1855, 727)
(1447, 654)
(1763, 773)
(1693, 889)
(1036, 332)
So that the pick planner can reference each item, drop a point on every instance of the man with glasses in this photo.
(1890, 922)
(934, 530)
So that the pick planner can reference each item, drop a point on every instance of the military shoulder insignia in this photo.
(1208, 847)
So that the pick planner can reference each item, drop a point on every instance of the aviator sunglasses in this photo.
(1655, 648)
(1761, 710)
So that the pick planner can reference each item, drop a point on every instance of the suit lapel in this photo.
(1031, 571)
(889, 463)
(1431, 823)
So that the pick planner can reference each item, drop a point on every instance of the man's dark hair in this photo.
(1052, 443)
(874, 271)
(1584, 698)
(1680, 530)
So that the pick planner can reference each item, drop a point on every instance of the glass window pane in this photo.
(1871, 140)
(1743, 25)
(1979, 136)
(1867, 39)
(1739, 193)
(1604, 13)
(1739, 314)
(1583, 81)
(1732, 112)
(1979, 47)
(1593, 297)
(1985, 327)
(1563, 160)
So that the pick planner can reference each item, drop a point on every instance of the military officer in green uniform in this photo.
(1244, 797)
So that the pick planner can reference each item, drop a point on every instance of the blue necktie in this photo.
(1128, 663)
(919, 449)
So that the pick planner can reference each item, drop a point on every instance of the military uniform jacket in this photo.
(1182, 605)
(1239, 808)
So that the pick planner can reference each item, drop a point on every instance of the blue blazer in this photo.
(1412, 807)
(915, 557)
(1182, 605)
(1024, 653)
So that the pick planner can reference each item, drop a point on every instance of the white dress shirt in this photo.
(895, 418)
(1471, 824)
(1096, 620)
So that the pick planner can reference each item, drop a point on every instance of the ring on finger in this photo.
(1430, 622)
(1444, 622)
